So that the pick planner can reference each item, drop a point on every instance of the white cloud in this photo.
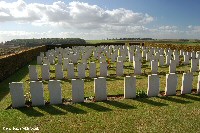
(167, 27)
(9, 35)
(195, 29)
(78, 19)
(75, 14)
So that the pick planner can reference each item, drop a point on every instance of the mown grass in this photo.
(158, 114)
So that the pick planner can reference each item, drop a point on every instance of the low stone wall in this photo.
(11, 63)
(188, 48)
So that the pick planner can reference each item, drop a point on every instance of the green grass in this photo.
(179, 113)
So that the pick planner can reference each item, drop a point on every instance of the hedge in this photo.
(13, 62)
(188, 48)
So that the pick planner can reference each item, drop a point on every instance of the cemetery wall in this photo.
(173, 46)
(13, 62)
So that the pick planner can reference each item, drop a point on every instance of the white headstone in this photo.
(39, 60)
(154, 67)
(92, 70)
(45, 72)
(70, 71)
(137, 67)
(193, 55)
(102, 59)
(113, 57)
(186, 83)
(100, 89)
(46, 61)
(130, 56)
(144, 53)
(161, 60)
(77, 90)
(198, 84)
(148, 56)
(59, 59)
(176, 58)
(37, 93)
(119, 59)
(168, 58)
(171, 84)
(135, 58)
(153, 85)
(17, 94)
(59, 71)
(42, 54)
(189, 54)
(129, 87)
(157, 56)
(51, 59)
(172, 66)
(85, 64)
(65, 63)
(55, 92)
(186, 59)
(119, 69)
(33, 72)
(194, 65)
(81, 70)
(103, 69)
(74, 58)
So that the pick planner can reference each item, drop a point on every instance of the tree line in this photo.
(45, 41)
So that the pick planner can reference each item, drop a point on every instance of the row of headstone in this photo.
(153, 55)
(103, 69)
(100, 89)
(119, 53)
(59, 74)
(55, 91)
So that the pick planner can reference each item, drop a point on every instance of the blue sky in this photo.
(99, 19)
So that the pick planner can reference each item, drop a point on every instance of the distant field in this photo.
(192, 43)
(184, 43)
(99, 41)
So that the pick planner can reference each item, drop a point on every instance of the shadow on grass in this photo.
(31, 112)
(51, 109)
(52, 71)
(190, 97)
(111, 68)
(162, 73)
(176, 100)
(16, 77)
(145, 66)
(119, 105)
(88, 79)
(129, 66)
(66, 80)
(151, 102)
(71, 109)
(179, 72)
(96, 107)
(137, 77)
(113, 78)
(164, 66)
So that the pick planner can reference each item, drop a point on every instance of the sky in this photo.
(99, 19)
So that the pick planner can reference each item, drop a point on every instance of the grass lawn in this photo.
(179, 113)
